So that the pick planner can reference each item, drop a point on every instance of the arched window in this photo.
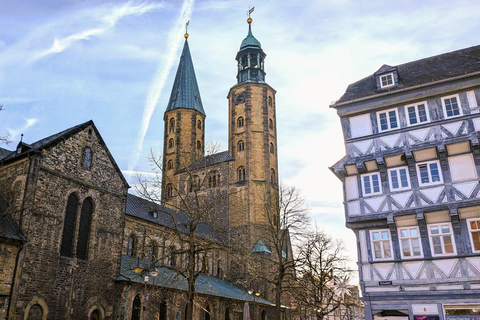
(241, 174)
(199, 124)
(153, 251)
(95, 315)
(171, 128)
(84, 229)
(170, 143)
(87, 158)
(213, 179)
(219, 269)
(163, 310)
(272, 148)
(264, 315)
(131, 246)
(270, 123)
(194, 184)
(136, 308)
(169, 165)
(169, 190)
(270, 101)
(240, 122)
(227, 314)
(35, 312)
(241, 145)
(199, 146)
(66, 248)
(272, 176)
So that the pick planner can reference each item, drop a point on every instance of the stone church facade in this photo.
(71, 234)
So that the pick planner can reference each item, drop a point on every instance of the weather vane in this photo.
(250, 11)
(186, 29)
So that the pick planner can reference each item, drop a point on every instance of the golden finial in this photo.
(249, 20)
(186, 29)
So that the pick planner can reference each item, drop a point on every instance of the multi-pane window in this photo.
(87, 158)
(410, 245)
(441, 239)
(417, 114)
(386, 80)
(241, 145)
(371, 184)
(474, 228)
(388, 120)
(399, 179)
(429, 173)
(451, 106)
(381, 244)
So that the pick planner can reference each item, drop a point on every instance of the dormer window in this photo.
(387, 80)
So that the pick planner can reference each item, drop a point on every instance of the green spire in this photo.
(250, 59)
(185, 92)
(250, 40)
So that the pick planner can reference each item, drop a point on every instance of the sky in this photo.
(65, 62)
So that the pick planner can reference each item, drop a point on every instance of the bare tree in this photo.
(323, 276)
(4, 139)
(286, 220)
(189, 202)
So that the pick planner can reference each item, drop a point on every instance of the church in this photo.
(75, 244)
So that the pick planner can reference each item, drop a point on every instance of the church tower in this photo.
(184, 121)
(252, 141)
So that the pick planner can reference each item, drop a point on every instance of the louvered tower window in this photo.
(66, 248)
(84, 229)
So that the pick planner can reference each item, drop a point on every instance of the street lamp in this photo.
(146, 272)
(256, 294)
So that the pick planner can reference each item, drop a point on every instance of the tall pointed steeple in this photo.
(250, 59)
(185, 92)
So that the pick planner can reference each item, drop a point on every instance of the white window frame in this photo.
(417, 116)
(445, 107)
(390, 181)
(470, 233)
(371, 183)
(430, 183)
(409, 238)
(382, 242)
(430, 239)
(388, 120)
(388, 75)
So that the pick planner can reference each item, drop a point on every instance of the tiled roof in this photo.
(54, 139)
(166, 278)
(142, 208)
(260, 247)
(424, 71)
(209, 160)
(185, 92)
(8, 228)
(4, 153)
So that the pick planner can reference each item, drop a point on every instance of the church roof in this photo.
(260, 247)
(185, 92)
(250, 41)
(421, 72)
(205, 284)
(144, 209)
(45, 143)
(207, 161)
(4, 153)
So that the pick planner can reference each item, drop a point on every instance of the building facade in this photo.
(411, 187)
(71, 236)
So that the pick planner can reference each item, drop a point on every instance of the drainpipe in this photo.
(126, 302)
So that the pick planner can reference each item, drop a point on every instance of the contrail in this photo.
(156, 87)
(107, 22)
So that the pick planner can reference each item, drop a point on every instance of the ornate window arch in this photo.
(241, 173)
(66, 248)
(241, 145)
(240, 122)
(169, 165)
(171, 127)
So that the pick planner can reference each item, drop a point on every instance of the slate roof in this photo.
(260, 247)
(185, 92)
(207, 161)
(28, 149)
(4, 153)
(141, 208)
(424, 71)
(166, 278)
(8, 228)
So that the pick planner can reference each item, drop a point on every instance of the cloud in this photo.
(14, 133)
(106, 22)
(161, 75)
